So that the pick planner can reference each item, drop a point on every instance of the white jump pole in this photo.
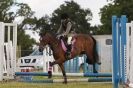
(14, 47)
(131, 57)
(44, 61)
(1, 49)
(8, 66)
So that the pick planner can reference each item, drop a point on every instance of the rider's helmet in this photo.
(64, 16)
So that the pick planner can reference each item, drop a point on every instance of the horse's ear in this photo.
(42, 34)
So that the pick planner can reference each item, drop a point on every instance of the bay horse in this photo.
(81, 43)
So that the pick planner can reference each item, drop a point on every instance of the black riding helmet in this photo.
(64, 16)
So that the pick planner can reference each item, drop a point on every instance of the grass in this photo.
(16, 84)
(54, 85)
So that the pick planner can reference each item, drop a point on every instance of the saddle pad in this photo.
(63, 45)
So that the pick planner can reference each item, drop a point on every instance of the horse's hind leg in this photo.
(63, 72)
(94, 69)
(94, 66)
(91, 60)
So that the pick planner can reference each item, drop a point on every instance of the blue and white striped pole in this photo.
(115, 52)
(123, 45)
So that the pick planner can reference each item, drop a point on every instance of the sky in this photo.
(43, 7)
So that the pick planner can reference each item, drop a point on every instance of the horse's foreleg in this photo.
(56, 62)
(51, 64)
(64, 73)
(50, 69)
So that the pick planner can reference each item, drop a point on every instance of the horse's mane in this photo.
(48, 32)
(52, 33)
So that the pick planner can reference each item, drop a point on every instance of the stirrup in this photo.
(67, 54)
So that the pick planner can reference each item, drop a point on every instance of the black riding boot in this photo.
(68, 52)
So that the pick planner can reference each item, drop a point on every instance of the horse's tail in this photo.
(95, 53)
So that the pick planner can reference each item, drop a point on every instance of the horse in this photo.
(81, 44)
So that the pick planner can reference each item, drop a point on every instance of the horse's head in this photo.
(44, 40)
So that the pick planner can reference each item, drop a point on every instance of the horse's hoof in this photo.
(49, 74)
(95, 72)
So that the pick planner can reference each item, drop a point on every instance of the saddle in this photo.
(66, 47)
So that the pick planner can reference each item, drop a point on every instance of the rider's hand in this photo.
(59, 36)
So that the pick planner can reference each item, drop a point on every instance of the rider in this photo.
(65, 28)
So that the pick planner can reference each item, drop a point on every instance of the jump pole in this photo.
(69, 80)
(119, 49)
(1, 49)
(60, 74)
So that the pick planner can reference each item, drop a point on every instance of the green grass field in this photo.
(54, 85)
(16, 84)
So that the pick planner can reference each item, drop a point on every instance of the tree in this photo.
(79, 16)
(118, 8)
(126, 8)
(43, 24)
(8, 14)
(5, 6)
(106, 14)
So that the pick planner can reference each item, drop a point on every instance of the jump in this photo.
(81, 44)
